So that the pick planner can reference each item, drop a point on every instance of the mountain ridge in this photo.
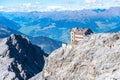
(96, 57)
(19, 58)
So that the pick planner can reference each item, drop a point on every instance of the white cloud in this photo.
(22, 7)
(90, 1)
(55, 8)
(31, 7)
(6, 9)
(116, 2)
(95, 4)
(1, 7)
(26, 5)
(68, 5)
(38, 7)
(37, 2)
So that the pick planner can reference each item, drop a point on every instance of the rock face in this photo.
(97, 57)
(19, 59)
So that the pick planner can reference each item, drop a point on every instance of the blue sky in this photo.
(52, 5)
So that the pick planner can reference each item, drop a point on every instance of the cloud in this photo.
(70, 2)
(22, 7)
(65, 5)
(7, 9)
(1, 7)
(95, 4)
(73, 5)
(55, 8)
(38, 7)
(116, 2)
(26, 5)
(90, 1)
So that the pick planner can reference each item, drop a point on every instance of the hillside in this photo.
(97, 57)
(47, 44)
(19, 58)
(5, 32)
(8, 23)
(56, 25)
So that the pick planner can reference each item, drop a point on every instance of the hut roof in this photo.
(80, 30)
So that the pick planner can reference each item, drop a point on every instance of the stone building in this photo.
(78, 34)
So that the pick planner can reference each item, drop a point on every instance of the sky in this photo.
(54, 5)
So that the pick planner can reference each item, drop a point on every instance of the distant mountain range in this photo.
(56, 25)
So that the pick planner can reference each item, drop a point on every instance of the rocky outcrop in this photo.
(19, 58)
(96, 57)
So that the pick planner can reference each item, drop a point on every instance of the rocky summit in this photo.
(19, 58)
(96, 57)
